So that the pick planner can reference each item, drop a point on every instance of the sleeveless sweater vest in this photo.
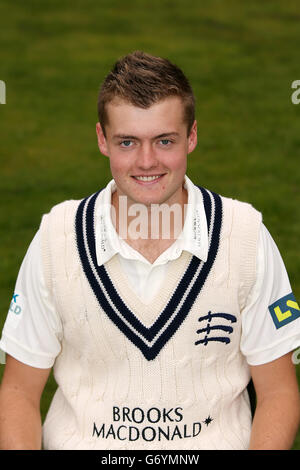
(167, 375)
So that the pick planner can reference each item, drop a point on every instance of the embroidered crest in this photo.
(212, 331)
(150, 340)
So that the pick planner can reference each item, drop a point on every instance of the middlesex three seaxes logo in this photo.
(215, 328)
(150, 340)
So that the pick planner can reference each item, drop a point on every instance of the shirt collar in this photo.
(193, 238)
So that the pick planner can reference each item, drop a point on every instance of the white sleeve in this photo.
(271, 319)
(32, 330)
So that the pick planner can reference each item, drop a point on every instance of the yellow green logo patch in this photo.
(284, 310)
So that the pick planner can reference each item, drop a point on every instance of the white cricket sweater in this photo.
(169, 375)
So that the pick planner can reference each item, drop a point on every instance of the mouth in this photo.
(148, 179)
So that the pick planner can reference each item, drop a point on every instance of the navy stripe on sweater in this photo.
(150, 340)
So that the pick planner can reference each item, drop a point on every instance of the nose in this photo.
(147, 157)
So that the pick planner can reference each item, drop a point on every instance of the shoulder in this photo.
(59, 223)
(240, 208)
(240, 215)
(58, 237)
(242, 223)
(235, 213)
(63, 213)
(63, 207)
(227, 202)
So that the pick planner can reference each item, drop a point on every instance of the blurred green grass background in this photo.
(241, 58)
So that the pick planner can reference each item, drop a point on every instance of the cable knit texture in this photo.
(137, 382)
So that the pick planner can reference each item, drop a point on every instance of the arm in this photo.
(277, 414)
(20, 394)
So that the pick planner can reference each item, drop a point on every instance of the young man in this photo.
(156, 301)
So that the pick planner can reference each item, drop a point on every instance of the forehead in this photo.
(164, 116)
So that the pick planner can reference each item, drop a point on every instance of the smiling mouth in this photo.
(147, 178)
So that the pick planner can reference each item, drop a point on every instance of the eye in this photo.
(165, 142)
(126, 143)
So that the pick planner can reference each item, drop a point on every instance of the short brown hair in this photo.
(142, 80)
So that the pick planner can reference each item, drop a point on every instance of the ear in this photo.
(192, 139)
(102, 144)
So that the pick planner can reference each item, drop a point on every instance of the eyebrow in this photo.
(160, 136)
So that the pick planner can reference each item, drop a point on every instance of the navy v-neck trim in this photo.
(150, 340)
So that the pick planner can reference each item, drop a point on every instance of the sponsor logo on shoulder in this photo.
(15, 306)
(284, 310)
(16, 309)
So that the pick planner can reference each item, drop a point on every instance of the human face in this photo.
(148, 143)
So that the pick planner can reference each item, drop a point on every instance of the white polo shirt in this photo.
(33, 331)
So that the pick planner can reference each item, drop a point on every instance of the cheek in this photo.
(177, 162)
(117, 164)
